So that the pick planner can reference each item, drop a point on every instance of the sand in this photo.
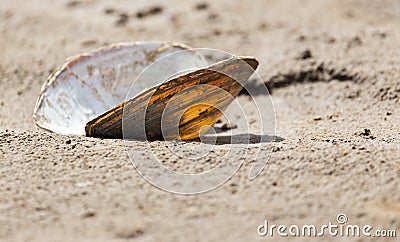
(333, 68)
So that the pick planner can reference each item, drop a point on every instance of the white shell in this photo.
(92, 83)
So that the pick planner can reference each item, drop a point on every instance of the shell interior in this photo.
(92, 83)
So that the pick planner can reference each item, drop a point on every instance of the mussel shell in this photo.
(141, 116)
(92, 83)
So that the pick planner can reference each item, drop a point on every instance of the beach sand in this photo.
(333, 69)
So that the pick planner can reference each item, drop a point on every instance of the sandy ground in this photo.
(64, 188)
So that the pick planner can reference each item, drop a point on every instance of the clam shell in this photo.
(92, 83)
(198, 105)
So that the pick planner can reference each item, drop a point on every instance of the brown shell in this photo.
(147, 108)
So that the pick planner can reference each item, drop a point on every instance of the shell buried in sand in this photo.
(87, 94)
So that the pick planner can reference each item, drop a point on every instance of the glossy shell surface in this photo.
(198, 100)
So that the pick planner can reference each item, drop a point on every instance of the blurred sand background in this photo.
(333, 68)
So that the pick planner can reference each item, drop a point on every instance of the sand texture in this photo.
(333, 70)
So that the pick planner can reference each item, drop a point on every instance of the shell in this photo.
(203, 96)
(92, 83)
